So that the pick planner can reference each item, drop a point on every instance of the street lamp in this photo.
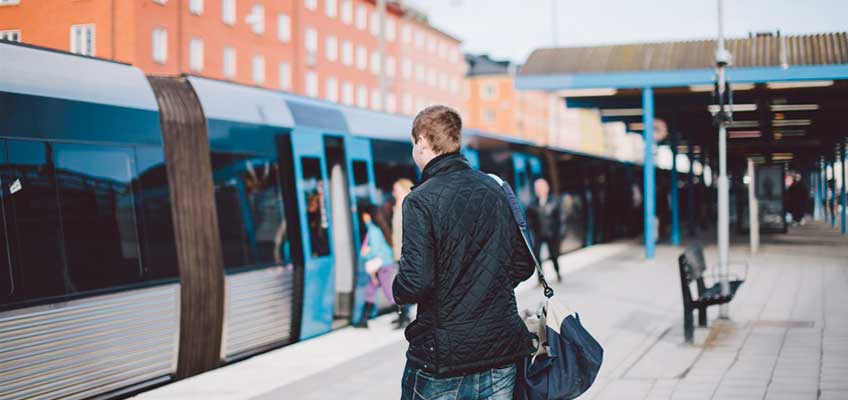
(722, 118)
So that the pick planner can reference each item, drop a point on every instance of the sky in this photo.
(511, 29)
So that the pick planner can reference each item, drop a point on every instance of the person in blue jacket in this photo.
(377, 257)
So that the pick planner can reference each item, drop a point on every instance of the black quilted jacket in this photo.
(462, 258)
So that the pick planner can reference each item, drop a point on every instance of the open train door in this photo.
(363, 192)
(310, 188)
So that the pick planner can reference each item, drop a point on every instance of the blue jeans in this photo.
(494, 384)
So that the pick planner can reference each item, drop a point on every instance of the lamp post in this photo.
(723, 58)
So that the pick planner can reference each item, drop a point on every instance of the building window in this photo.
(347, 53)
(362, 96)
(489, 115)
(332, 48)
(332, 90)
(420, 73)
(490, 91)
(160, 45)
(361, 58)
(376, 100)
(311, 4)
(453, 55)
(375, 62)
(419, 39)
(443, 82)
(9, 2)
(228, 11)
(258, 72)
(195, 7)
(406, 34)
(284, 27)
(195, 54)
(331, 8)
(454, 85)
(390, 66)
(390, 29)
(407, 103)
(347, 93)
(12, 35)
(311, 43)
(82, 39)
(406, 68)
(256, 19)
(375, 23)
(311, 84)
(229, 62)
(443, 51)
(347, 12)
(284, 70)
(431, 77)
(361, 17)
(160, 1)
(391, 103)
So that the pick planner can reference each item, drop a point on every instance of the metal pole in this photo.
(649, 189)
(753, 208)
(381, 9)
(675, 199)
(722, 59)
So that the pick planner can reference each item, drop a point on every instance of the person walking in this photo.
(461, 259)
(376, 255)
(546, 220)
(400, 190)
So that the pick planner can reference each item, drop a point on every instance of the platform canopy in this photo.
(790, 92)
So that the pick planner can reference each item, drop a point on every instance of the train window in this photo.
(158, 249)
(316, 207)
(361, 188)
(251, 216)
(98, 215)
(32, 216)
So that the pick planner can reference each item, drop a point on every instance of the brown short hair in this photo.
(441, 126)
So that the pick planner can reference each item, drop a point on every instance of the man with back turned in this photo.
(461, 259)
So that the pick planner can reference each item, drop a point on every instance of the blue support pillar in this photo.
(690, 187)
(832, 191)
(843, 156)
(649, 185)
(675, 209)
(817, 197)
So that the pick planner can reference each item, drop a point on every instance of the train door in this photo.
(527, 169)
(311, 189)
(344, 231)
(363, 189)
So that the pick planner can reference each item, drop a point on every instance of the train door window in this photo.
(361, 195)
(250, 207)
(98, 215)
(316, 209)
(33, 221)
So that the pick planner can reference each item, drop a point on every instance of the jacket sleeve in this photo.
(414, 281)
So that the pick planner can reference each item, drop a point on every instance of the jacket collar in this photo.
(444, 164)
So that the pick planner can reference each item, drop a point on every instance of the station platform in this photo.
(787, 337)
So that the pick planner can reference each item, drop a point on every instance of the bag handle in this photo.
(518, 216)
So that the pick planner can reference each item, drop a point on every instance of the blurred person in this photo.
(376, 255)
(546, 220)
(796, 200)
(461, 259)
(400, 190)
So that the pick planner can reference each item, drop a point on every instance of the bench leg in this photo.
(702, 317)
(688, 325)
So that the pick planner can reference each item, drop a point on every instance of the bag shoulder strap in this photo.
(518, 216)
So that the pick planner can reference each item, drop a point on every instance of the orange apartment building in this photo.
(327, 49)
(493, 104)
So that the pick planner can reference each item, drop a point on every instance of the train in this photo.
(154, 227)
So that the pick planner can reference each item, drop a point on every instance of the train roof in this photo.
(235, 102)
(33, 71)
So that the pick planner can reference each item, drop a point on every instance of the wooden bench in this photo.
(693, 267)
